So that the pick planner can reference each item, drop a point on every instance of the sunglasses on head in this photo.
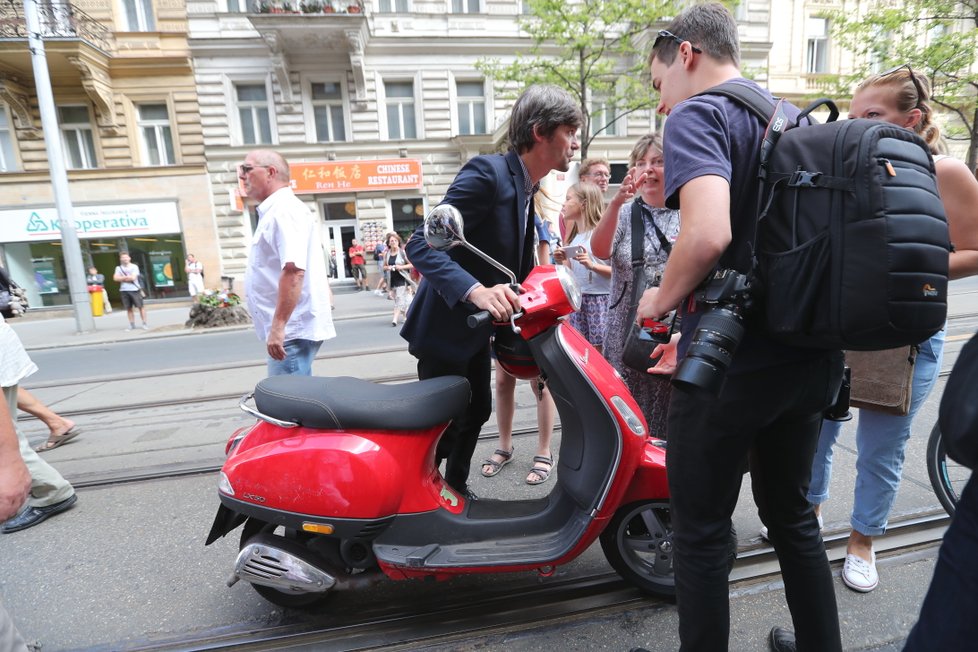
(664, 33)
(913, 78)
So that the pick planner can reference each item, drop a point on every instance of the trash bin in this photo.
(95, 296)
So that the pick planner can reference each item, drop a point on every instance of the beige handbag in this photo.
(882, 380)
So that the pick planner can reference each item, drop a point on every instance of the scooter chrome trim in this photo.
(242, 404)
(268, 565)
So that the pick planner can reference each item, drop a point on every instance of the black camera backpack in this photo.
(851, 250)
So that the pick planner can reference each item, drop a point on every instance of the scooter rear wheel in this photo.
(254, 526)
(638, 544)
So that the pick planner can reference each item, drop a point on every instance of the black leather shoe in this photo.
(34, 515)
(783, 640)
(469, 494)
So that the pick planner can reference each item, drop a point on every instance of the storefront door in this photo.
(341, 236)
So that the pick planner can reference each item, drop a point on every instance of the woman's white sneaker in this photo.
(859, 574)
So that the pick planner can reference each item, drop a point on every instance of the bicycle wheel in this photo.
(947, 477)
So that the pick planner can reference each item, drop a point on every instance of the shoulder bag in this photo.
(882, 380)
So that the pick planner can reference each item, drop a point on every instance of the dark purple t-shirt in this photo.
(716, 136)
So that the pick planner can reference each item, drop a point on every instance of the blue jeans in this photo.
(947, 617)
(881, 441)
(299, 355)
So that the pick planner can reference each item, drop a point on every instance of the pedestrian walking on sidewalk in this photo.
(287, 282)
(50, 493)
(195, 276)
(399, 268)
(127, 275)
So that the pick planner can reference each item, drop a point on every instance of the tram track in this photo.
(475, 616)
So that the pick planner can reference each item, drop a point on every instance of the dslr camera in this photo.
(724, 298)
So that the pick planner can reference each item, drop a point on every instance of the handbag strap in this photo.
(638, 254)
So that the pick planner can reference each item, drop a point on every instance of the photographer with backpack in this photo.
(771, 405)
(899, 96)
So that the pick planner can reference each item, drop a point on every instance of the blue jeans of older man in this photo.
(299, 355)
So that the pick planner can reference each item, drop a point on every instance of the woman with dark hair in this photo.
(612, 238)
(899, 96)
(399, 268)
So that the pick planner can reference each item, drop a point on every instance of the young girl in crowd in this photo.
(581, 213)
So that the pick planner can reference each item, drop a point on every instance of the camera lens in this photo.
(714, 343)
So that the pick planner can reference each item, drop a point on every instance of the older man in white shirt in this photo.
(287, 283)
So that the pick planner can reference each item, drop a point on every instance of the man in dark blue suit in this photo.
(494, 193)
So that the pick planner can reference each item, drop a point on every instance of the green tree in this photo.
(596, 49)
(938, 38)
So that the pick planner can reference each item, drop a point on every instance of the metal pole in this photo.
(70, 247)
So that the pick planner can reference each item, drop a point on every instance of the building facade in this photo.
(129, 124)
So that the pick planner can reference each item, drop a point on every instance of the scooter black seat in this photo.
(346, 403)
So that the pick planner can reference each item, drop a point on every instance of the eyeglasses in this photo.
(913, 78)
(664, 33)
(244, 168)
(597, 175)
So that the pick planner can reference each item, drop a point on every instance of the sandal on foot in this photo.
(496, 467)
(57, 440)
(542, 472)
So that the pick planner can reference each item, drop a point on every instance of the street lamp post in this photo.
(70, 247)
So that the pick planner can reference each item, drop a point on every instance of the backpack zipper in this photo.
(885, 162)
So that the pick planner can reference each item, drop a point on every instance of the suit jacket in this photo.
(490, 193)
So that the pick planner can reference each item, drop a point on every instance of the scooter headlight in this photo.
(569, 284)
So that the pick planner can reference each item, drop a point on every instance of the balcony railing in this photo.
(57, 19)
(300, 6)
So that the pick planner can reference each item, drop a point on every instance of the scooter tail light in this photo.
(224, 485)
(631, 419)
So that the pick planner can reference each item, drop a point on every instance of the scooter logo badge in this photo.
(448, 496)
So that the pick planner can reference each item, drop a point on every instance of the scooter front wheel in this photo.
(253, 527)
(638, 544)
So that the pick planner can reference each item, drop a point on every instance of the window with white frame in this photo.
(139, 15)
(153, 121)
(251, 101)
(471, 99)
(243, 6)
(394, 6)
(327, 111)
(401, 123)
(465, 6)
(604, 118)
(8, 162)
(77, 137)
(817, 30)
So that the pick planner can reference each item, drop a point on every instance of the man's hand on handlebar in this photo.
(499, 300)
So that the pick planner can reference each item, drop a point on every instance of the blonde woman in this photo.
(581, 214)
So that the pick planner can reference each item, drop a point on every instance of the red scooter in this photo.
(337, 479)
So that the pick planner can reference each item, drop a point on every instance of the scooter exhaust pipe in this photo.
(271, 564)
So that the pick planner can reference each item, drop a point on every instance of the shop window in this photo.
(327, 111)
(253, 113)
(394, 6)
(8, 162)
(818, 45)
(465, 6)
(139, 15)
(471, 107)
(154, 126)
(401, 122)
(77, 137)
(604, 119)
(408, 215)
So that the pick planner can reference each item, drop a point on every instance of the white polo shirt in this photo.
(288, 232)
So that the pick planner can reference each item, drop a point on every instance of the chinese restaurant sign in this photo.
(354, 176)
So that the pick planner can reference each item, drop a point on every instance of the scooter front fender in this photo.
(650, 481)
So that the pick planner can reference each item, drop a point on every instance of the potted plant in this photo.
(263, 8)
(311, 7)
(355, 7)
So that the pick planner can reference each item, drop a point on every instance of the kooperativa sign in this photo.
(112, 220)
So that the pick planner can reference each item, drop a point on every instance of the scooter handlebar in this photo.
(477, 319)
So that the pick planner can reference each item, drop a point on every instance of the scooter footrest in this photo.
(418, 557)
